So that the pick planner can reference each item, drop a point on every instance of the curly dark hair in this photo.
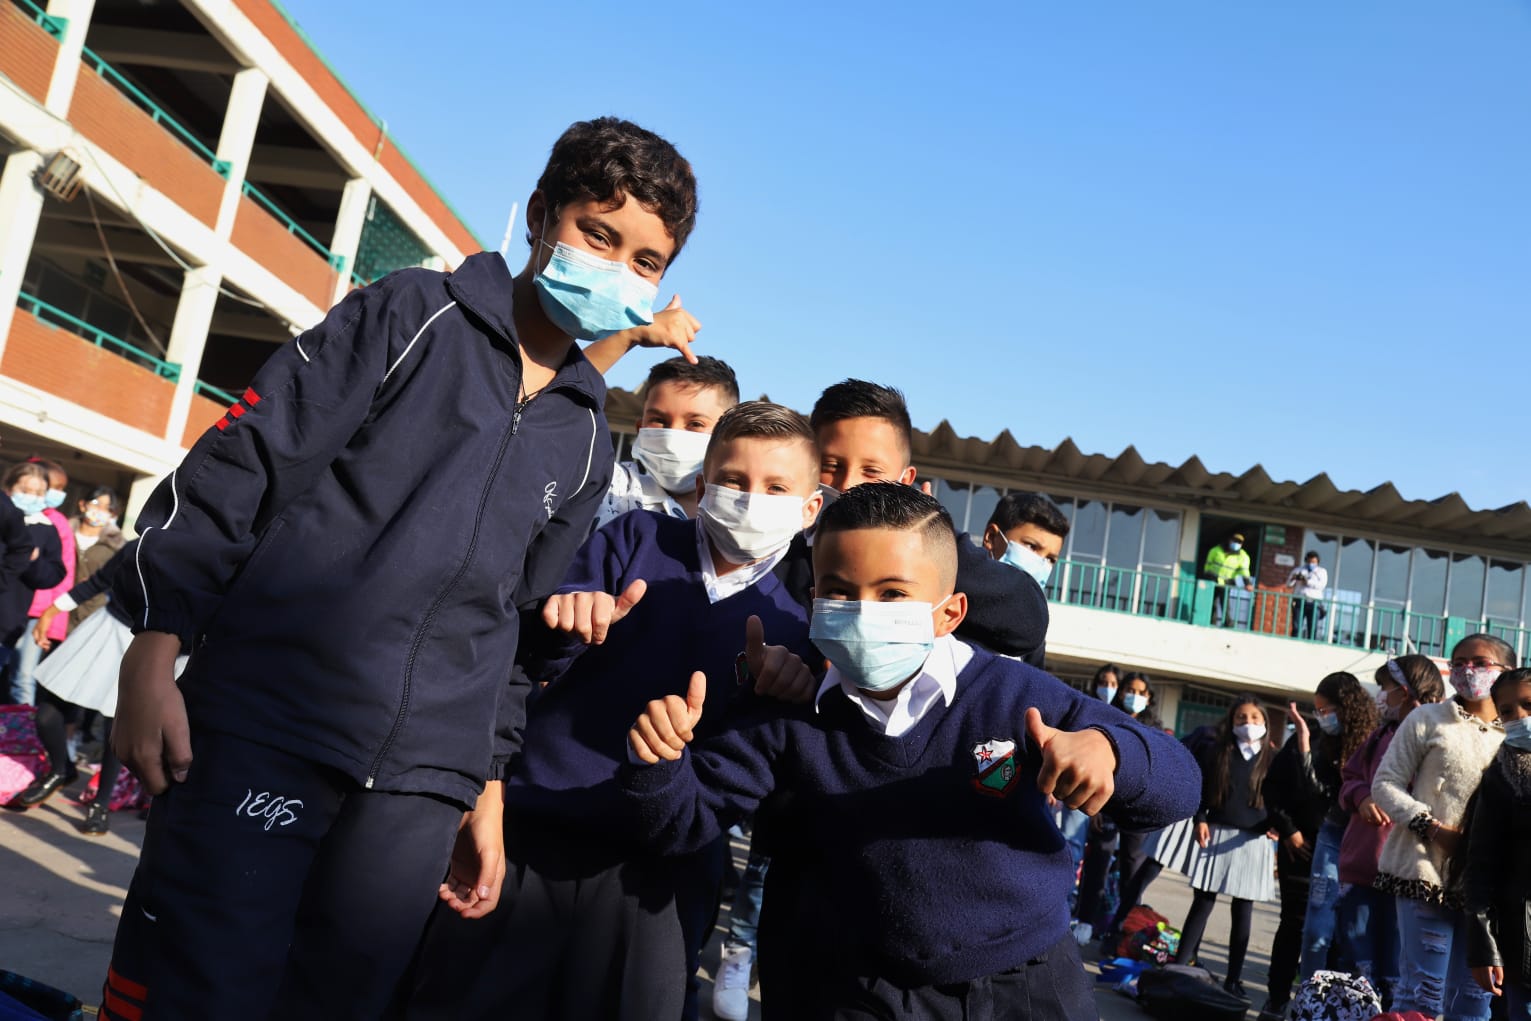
(1358, 716)
(603, 159)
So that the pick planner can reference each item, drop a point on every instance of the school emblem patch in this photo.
(995, 761)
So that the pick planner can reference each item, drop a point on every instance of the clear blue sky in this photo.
(1293, 234)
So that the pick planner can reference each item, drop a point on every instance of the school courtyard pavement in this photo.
(63, 892)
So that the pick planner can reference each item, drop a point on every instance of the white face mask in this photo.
(748, 526)
(1249, 732)
(672, 456)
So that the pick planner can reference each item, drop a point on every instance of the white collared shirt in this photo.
(896, 716)
(632, 488)
(1311, 581)
(1248, 749)
(720, 587)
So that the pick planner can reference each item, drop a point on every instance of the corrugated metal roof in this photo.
(1446, 520)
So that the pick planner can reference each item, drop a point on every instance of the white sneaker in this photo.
(731, 989)
(1083, 932)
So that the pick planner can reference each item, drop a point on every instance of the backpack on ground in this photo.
(1178, 992)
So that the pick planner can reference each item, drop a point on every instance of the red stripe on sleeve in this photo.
(237, 411)
(251, 397)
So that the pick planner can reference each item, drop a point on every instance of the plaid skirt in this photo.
(1236, 862)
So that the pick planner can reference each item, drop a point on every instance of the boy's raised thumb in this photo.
(674, 303)
(1039, 732)
(754, 636)
(696, 694)
(631, 596)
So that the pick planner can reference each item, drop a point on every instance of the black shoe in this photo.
(41, 790)
(1274, 1010)
(95, 820)
(1236, 987)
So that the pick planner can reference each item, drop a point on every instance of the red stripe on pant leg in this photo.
(126, 986)
(121, 1008)
(251, 397)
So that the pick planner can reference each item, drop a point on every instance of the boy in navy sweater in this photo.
(346, 553)
(940, 886)
(596, 924)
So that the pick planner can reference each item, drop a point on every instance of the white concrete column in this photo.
(66, 70)
(138, 495)
(349, 222)
(21, 206)
(237, 138)
(188, 340)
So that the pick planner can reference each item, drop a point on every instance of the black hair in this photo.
(1503, 649)
(606, 158)
(856, 398)
(1421, 678)
(1223, 750)
(1358, 716)
(1148, 717)
(894, 505)
(1311, 555)
(707, 372)
(1029, 509)
(111, 497)
(1506, 679)
(1108, 668)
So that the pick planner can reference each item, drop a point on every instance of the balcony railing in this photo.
(1279, 613)
(153, 109)
(50, 23)
(292, 226)
(208, 390)
(57, 316)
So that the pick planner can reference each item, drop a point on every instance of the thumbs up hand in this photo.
(591, 614)
(666, 726)
(1078, 768)
(776, 671)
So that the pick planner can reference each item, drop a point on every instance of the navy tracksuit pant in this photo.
(271, 887)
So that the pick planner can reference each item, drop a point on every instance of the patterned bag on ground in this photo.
(1335, 996)
(1139, 918)
(126, 793)
(1178, 992)
(21, 754)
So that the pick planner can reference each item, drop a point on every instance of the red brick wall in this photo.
(27, 53)
(111, 120)
(267, 240)
(292, 46)
(75, 369)
(204, 413)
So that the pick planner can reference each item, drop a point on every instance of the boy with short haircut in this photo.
(597, 925)
(940, 886)
(346, 553)
(1026, 531)
(682, 402)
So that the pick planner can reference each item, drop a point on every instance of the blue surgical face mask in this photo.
(1105, 693)
(1517, 734)
(55, 498)
(1234, 547)
(1330, 723)
(1026, 560)
(589, 297)
(1134, 703)
(874, 645)
(28, 504)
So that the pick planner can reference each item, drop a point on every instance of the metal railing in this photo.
(58, 317)
(208, 390)
(153, 109)
(1280, 613)
(50, 23)
(291, 224)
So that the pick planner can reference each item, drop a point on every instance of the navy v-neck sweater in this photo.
(938, 860)
(576, 729)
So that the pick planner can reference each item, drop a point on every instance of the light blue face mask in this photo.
(1026, 560)
(1134, 703)
(28, 503)
(1517, 734)
(874, 645)
(1234, 547)
(55, 498)
(1330, 723)
(589, 297)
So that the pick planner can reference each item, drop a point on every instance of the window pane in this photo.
(984, 502)
(954, 497)
(1504, 581)
(1466, 587)
(1428, 594)
(1126, 536)
(1161, 539)
(1089, 531)
(1392, 584)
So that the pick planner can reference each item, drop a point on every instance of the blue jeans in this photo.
(1323, 898)
(1075, 827)
(744, 917)
(1435, 977)
(24, 680)
(1517, 1000)
(1368, 926)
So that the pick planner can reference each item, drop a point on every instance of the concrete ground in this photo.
(64, 892)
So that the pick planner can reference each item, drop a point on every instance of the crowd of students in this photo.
(469, 709)
(1395, 834)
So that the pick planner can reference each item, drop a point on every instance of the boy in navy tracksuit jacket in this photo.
(593, 924)
(940, 885)
(346, 553)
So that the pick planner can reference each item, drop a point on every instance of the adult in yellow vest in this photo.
(1228, 563)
